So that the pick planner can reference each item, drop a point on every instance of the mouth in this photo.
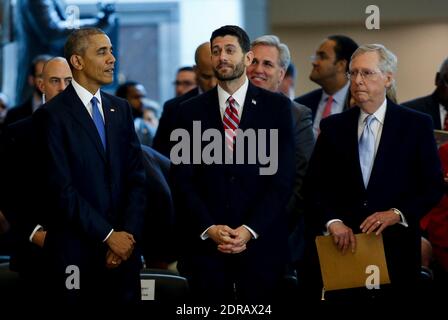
(258, 79)
(109, 71)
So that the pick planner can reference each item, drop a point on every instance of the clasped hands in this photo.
(229, 240)
(344, 238)
(121, 244)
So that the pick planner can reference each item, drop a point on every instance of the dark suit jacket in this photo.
(406, 175)
(159, 213)
(429, 105)
(92, 191)
(23, 205)
(311, 100)
(19, 112)
(304, 144)
(234, 195)
(167, 122)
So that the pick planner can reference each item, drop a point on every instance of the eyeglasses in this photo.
(365, 74)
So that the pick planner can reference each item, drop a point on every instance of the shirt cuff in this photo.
(204, 235)
(326, 232)
(403, 221)
(108, 235)
(252, 232)
(37, 228)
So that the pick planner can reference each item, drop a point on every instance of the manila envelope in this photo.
(349, 270)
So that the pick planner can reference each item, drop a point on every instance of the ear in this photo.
(282, 74)
(77, 62)
(342, 65)
(248, 58)
(389, 79)
(40, 85)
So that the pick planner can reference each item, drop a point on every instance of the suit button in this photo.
(365, 204)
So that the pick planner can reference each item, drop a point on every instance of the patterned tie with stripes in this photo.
(231, 122)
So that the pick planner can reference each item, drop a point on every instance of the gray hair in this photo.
(274, 41)
(387, 63)
(444, 68)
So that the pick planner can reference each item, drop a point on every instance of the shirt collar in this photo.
(379, 114)
(84, 94)
(239, 95)
(338, 96)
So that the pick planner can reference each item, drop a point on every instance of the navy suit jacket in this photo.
(429, 105)
(311, 100)
(406, 175)
(159, 213)
(91, 190)
(168, 121)
(235, 194)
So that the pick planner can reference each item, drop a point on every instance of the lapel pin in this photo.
(254, 102)
(112, 110)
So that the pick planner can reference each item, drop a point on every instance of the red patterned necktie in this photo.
(231, 122)
(327, 109)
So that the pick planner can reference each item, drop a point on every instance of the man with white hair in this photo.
(375, 168)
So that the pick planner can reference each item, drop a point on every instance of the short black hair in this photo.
(77, 42)
(187, 68)
(122, 90)
(240, 34)
(291, 71)
(344, 47)
(40, 58)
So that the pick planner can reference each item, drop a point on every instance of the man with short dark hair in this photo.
(185, 80)
(230, 216)
(95, 181)
(330, 65)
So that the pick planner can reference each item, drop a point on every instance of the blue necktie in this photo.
(367, 149)
(98, 120)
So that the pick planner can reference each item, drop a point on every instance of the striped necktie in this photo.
(231, 122)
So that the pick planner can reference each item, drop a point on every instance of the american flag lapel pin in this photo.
(254, 102)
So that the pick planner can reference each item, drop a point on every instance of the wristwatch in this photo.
(397, 212)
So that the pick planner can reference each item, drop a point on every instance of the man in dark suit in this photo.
(271, 60)
(330, 65)
(206, 81)
(375, 168)
(436, 104)
(27, 108)
(232, 218)
(95, 181)
(159, 212)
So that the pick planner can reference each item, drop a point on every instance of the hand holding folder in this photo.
(343, 271)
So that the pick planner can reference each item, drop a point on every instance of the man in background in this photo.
(271, 58)
(185, 80)
(435, 104)
(330, 65)
(56, 76)
(206, 80)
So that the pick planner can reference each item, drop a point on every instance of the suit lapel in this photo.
(212, 111)
(82, 116)
(251, 103)
(387, 145)
(353, 143)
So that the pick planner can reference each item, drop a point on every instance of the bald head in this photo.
(56, 76)
(203, 68)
